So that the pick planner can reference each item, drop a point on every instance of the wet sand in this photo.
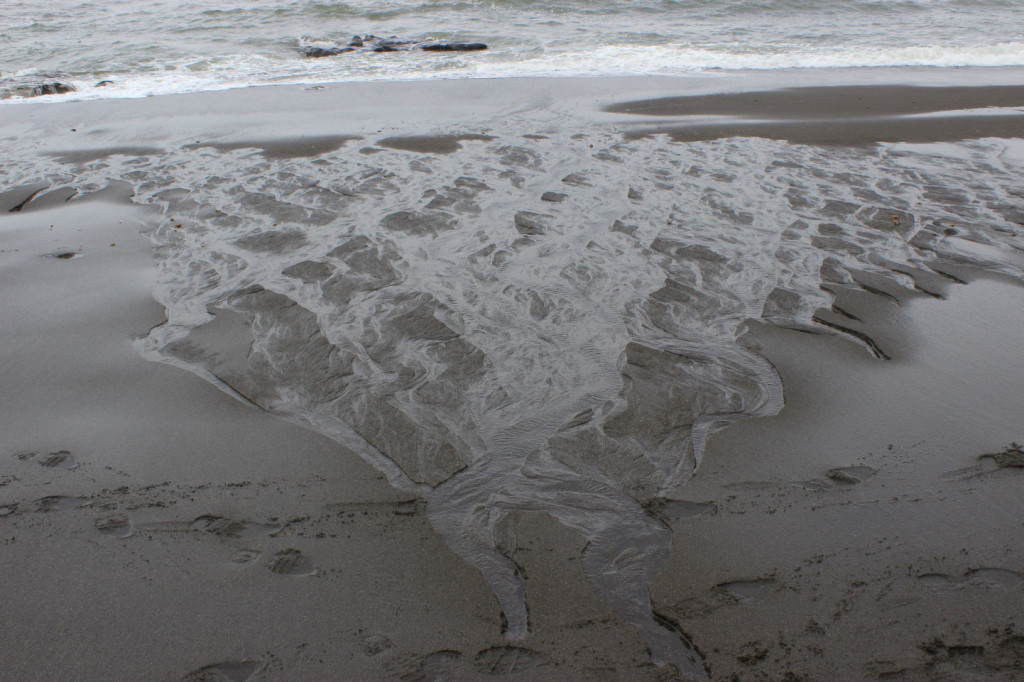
(171, 524)
(841, 116)
(868, 529)
(154, 526)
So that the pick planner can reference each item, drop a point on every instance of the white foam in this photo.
(677, 59)
(1013, 154)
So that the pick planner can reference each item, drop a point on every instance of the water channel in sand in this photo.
(518, 322)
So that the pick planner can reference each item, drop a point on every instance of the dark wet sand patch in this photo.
(863, 101)
(832, 116)
(849, 133)
(89, 155)
(432, 144)
(288, 148)
(554, 197)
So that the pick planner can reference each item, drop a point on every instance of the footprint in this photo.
(681, 509)
(375, 644)
(230, 671)
(884, 670)
(942, 655)
(408, 508)
(62, 459)
(993, 578)
(938, 582)
(1010, 651)
(229, 528)
(245, 556)
(1011, 457)
(216, 525)
(746, 591)
(986, 578)
(118, 525)
(850, 475)
(506, 660)
(25, 455)
(8, 509)
(291, 562)
(439, 665)
(814, 485)
(667, 510)
(60, 503)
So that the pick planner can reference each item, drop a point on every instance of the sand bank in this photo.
(237, 505)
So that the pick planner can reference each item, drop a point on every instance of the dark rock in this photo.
(392, 44)
(34, 86)
(103, 84)
(272, 241)
(52, 89)
(317, 52)
(453, 47)
(369, 43)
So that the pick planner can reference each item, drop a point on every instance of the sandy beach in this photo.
(610, 378)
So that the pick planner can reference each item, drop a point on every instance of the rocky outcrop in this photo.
(453, 47)
(370, 43)
(33, 86)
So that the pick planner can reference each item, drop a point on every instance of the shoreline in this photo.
(219, 539)
(624, 104)
(711, 81)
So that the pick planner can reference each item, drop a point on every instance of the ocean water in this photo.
(187, 46)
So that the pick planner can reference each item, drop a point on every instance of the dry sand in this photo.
(154, 527)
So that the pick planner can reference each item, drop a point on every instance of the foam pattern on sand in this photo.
(497, 351)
